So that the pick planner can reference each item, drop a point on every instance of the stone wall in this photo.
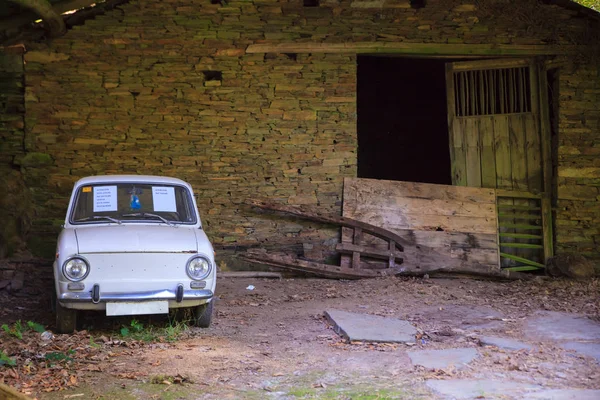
(168, 87)
(578, 211)
(15, 209)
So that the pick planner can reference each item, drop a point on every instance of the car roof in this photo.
(88, 180)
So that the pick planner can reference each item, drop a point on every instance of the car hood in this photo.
(136, 239)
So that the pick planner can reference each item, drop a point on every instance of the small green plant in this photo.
(34, 326)
(57, 356)
(94, 344)
(174, 330)
(136, 329)
(5, 360)
(16, 330)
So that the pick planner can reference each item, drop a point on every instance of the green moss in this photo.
(339, 392)
(36, 160)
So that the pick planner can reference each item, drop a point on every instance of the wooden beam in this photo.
(44, 9)
(349, 248)
(546, 140)
(431, 49)
(517, 194)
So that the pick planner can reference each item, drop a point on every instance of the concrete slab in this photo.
(564, 394)
(470, 318)
(562, 326)
(504, 343)
(587, 349)
(479, 389)
(371, 328)
(440, 359)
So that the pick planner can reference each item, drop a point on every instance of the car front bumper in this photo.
(166, 294)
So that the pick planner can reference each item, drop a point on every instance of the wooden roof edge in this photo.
(15, 27)
(574, 6)
(411, 48)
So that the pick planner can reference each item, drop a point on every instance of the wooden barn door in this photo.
(496, 142)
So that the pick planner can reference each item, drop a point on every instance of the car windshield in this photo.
(133, 202)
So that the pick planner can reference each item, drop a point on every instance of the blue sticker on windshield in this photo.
(135, 202)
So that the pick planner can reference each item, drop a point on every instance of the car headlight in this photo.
(76, 269)
(198, 268)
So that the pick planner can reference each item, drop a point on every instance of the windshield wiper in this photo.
(98, 217)
(145, 214)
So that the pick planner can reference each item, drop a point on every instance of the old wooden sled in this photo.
(403, 256)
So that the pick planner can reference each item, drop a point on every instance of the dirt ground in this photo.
(274, 342)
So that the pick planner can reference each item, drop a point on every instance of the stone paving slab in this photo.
(371, 328)
(504, 343)
(440, 359)
(480, 389)
(562, 326)
(564, 394)
(587, 349)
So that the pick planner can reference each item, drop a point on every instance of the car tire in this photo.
(203, 315)
(66, 319)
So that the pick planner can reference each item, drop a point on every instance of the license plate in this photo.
(137, 308)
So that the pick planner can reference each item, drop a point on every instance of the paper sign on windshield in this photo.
(163, 198)
(105, 198)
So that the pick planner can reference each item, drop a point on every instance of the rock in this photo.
(441, 359)
(504, 343)
(479, 389)
(45, 57)
(564, 394)
(562, 326)
(570, 265)
(371, 328)
(587, 349)
(16, 285)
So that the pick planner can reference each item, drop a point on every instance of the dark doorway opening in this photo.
(402, 120)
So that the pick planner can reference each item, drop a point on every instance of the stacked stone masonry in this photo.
(167, 87)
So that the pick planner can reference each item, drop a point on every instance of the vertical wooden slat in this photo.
(511, 92)
(533, 152)
(459, 167)
(502, 148)
(473, 94)
(356, 239)
(463, 93)
(456, 110)
(488, 156)
(492, 75)
(502, 92)
(473, 155)
(542, 100)
(453, 122)
(517, 151)
(523, 90)
(481, 94)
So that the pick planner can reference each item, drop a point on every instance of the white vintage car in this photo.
(133, 245)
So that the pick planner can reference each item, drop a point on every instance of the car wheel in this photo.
(203, 315)
(66, 319)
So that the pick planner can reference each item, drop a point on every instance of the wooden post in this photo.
(546, 142)
(547, 227)
(356, 255)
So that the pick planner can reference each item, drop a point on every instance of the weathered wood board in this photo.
(459, 222)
